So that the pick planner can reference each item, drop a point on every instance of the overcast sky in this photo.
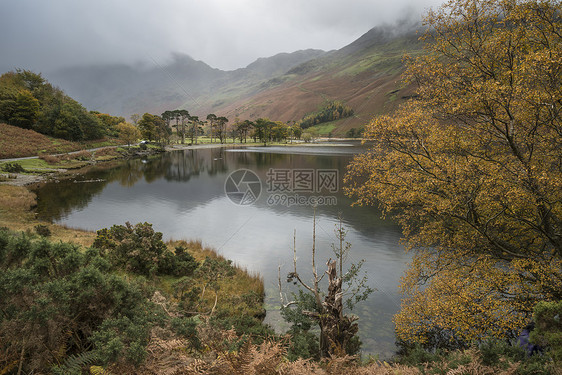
(43, 35)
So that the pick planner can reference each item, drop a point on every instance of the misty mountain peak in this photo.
(282, 62)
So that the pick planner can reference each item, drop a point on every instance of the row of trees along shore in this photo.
(189, 127)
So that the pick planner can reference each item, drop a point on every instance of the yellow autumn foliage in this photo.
(472, 170)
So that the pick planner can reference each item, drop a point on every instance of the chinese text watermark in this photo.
(285, 187)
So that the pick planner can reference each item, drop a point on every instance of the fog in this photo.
(226, 34)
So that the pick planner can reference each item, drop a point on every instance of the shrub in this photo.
(106, 151)
(137, 248)
(82, 155)
(140, 249)
(417, 355)
(51, 159)
(245, 326)
(303, 345)
(182, 263)
(494, 352)
(214, 269)
(12, 167)
(58, 301)
(187, 294)
(548, 328)
(187, 327)
(186, 263)
(43, 230)
(123, 339)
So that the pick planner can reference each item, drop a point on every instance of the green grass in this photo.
(102, 143)
(31, 164)
(73, 160)
(41, 166)
(324, 129)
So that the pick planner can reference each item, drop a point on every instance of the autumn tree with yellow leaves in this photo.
(472, 170)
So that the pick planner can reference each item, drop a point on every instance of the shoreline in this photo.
(37, 176)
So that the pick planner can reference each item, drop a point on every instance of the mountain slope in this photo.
(365, 75)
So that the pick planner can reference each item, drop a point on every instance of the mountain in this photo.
(364, 74)
(184, 82)
(124, 90)
(281, 63)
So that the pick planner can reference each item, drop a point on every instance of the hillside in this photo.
(364, 75)
(11, 145)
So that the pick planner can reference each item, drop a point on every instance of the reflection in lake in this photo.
(182, 194)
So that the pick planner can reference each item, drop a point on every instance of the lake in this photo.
(246, 203)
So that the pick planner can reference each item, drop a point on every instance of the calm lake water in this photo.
(182, 194)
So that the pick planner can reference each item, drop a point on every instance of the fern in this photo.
(98, 370)
(75, 363)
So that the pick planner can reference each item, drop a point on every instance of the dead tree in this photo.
(336, 329)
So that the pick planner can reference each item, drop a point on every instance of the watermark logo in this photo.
(296, 187)
(243, 187)
(302, 180)
(285, 187)
(289, 200)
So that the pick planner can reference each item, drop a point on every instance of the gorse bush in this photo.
(64, 309)
(187, 328)
(180, 263)
(42, 230)
(12, 167)
(548, 329)
(133, 248)
(58, 301)
(139, 249)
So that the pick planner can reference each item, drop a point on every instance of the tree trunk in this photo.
(336, 329)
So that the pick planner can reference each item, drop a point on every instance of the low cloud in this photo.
(227, 34)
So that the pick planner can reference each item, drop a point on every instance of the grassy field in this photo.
(324, 129)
